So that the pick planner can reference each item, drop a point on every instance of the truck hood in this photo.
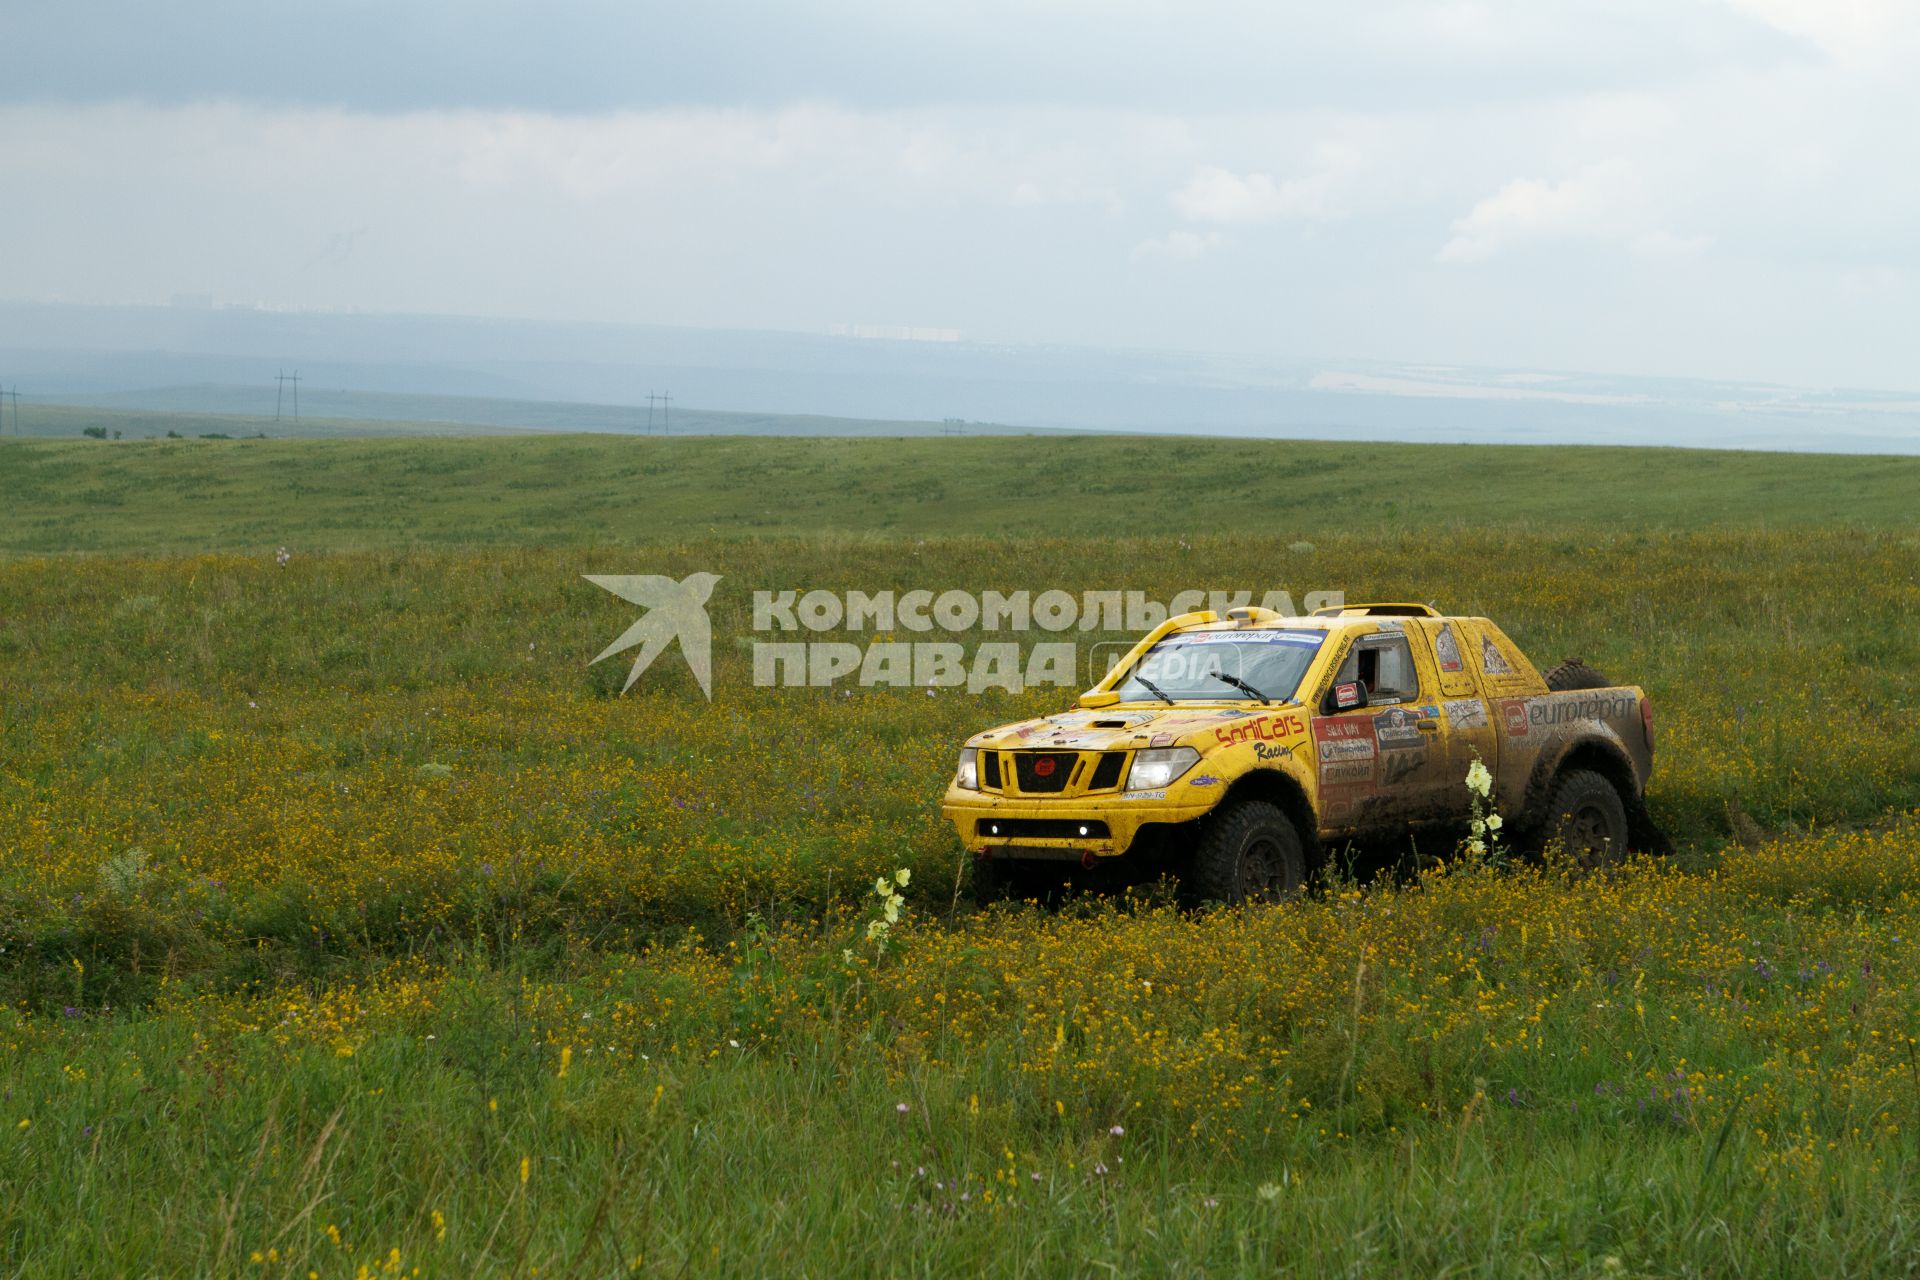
(1119, 729)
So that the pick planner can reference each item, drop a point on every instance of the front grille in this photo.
(1106, 774)
(990, 770)
(1039, 772)
(1040, 829)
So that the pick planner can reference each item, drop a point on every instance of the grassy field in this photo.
(132, 497)
(349, 922)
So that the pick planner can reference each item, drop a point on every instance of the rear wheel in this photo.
(1247, 851)
(1587, 819)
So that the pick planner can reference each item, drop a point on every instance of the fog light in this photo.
(1083, 831)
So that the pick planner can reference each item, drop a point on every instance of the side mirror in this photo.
(1345, 697)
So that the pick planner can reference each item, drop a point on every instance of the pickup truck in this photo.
(1236, 750)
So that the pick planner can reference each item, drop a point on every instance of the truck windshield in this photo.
(1195, 666)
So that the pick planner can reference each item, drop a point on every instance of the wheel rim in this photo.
(1258, 863)
(1589, 836)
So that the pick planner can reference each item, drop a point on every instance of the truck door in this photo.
(1467, 728)
(1381, 761)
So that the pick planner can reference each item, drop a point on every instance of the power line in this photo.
(283, 378)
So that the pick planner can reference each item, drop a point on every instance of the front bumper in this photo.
(1048, 829)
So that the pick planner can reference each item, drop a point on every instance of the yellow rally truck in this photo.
(1232, 750)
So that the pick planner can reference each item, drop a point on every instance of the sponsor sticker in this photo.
(1467, 713)
(1266, 729)
(1347, 771)
(1399, 727)
(1513, 714)
(1345, 739)
(1448, 650)
(1309, 638)
(1492, 661)
(1563, 708)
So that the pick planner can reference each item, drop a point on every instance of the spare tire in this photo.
(1575, 674)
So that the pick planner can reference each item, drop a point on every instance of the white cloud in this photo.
(1179, 246)
(1219, 195)
(1848, 30)
(1606, 202)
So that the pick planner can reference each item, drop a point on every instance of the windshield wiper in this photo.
(1155, 689)
(1238, 683)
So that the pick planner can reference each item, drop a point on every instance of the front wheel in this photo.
(1587, 818)
(1247, 851)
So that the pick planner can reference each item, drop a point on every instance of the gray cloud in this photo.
(603, 55)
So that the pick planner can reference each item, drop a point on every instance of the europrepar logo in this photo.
(674, 610)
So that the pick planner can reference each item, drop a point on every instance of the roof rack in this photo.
(1378, 611)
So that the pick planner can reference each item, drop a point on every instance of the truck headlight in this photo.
(1154, 769)
(968, 776)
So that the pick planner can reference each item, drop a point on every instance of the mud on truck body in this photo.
(1233, 750)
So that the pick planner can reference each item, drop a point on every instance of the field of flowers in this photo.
(349, 921)
(1503, 1071)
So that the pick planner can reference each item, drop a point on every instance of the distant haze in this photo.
(597, 377)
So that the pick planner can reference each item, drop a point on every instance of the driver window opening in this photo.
(1387, 668)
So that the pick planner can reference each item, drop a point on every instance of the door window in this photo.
(1385, 663)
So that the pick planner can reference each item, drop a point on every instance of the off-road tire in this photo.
(1574, 674)
(1587, 819)
(1245, 851)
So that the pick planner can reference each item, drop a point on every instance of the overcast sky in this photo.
(1728, 188)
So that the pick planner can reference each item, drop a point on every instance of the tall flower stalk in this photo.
(1484, 829)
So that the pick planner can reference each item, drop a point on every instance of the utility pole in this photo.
(284, 378)
(666, 413)
(13, 395)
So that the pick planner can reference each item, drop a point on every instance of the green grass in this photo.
(198, 495)
(171, 1158)
(324, 932)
